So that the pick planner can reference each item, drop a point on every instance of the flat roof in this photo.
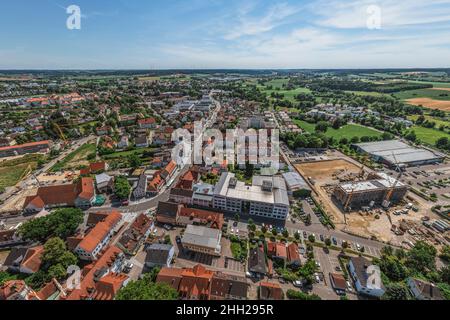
(295, 180)
(396, 151)
(385, 181)
(202, 236)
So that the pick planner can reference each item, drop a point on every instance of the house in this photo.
(135, 235)
(210, 219)
(358, 268)
(293, 255)
(104, 182)
(423, 290)
(188, 179)
(191, 283)
(24, 260)
(10, 238)
(103, 131)
(168, 171)
(123, 143)
(140, 191)
(94, 168)
(159, 255)
(17, 290)
(141, 142)
(102, 279)
(98, 237)
(228, 287)
(277, 250)
(80, 195)
(203, 195)
(155, 185)
(338, 283)
(167, 212)
(183, 196)
(270, 291)
(202, 239)
(257, 262)
(147, 123)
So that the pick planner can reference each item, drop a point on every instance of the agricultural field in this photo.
(429, 135)
(438, 121)
(76, 159)
(424, 93)
(348, 131)
(12, 171)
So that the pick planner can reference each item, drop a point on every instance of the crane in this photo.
(389, 194)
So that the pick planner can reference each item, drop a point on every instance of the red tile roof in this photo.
(214, 219)
(99, 232)
(292, 252)
(270, 291)
(104, 289)
(45, 144)
(155, 184)
(32, 260)
(147, 121)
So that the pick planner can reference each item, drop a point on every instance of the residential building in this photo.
(203, 195)
(266, 197)
(123, 143)
(228, 287)
(104, 182)
(98, 237)
(293, 255)
(102, 279)
(147, 123)
(210, 219)
(202, 239)
(183, 196)
(17, 290)
(257, 262)
(270, 291)
(277, 250)
(357, 267)
(159, 255)
(167, 212)
(135, 235)
(141, 141)
(24, 260)
(140, 191)
(338, 283)
(95, 168)
(155, 185)
(423, 290)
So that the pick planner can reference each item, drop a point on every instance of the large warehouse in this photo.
(395, 152)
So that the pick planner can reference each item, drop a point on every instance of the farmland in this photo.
(424, 93)
(348, 131)
(428, 135)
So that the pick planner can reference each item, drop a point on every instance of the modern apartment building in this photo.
(265, 197)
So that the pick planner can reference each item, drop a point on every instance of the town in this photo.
(94, 207)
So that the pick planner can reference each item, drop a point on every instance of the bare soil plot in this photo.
(324, 170)
(430, 103)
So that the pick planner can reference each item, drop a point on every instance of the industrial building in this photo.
(265, 197)
(395, 152)
(381, 189)
(295, 182)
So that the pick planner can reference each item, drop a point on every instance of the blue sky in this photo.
(153, 34)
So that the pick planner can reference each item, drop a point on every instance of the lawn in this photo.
(76, 158)
(428, 135)
(348, 131)
(366, 93)
(277, 83)
(438, 122)
(122, 154)
(288, 94)
(12, 171)
(424, 93)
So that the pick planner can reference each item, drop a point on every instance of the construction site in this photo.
(366, 203)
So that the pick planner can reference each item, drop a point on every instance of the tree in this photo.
(299, 295)
(311, 238)
(396, 291)
(327, 242)
(322, 126)
(146, 289)
(237, 217)
(134, 161)
(274, 231)
(285, 233)
(421, 257)
(411, 136)
(60, 223)
(445, 253)
(393, 268)
(122, 187)
(263, 229)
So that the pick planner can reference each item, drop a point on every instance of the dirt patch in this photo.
(323, 170)
(430, 103)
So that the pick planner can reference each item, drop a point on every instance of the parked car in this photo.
(178, 239)
(333, 239)
(322, 238)
(297, 284)
(305, 235)
(128, 267)
(167, 227)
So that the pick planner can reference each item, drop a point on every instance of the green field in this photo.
(423, 93)
(12, 171)
(435, 84)
(428, 135)
(76, 158)
(288, 94)
(366, 93)
(124, 154)
(348, 131)
(277, 83)
(439, 122)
